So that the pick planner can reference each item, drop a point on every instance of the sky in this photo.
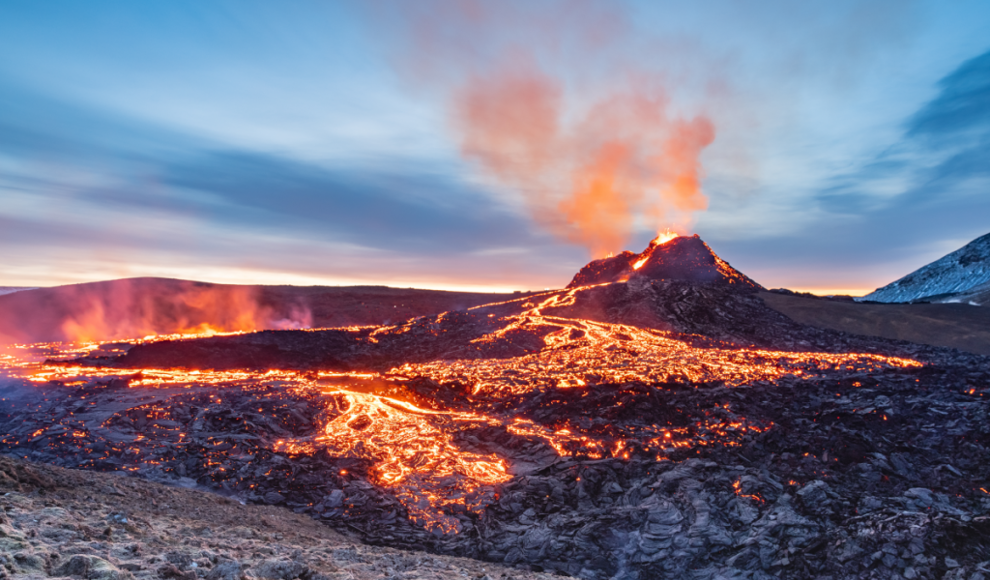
(460, 144)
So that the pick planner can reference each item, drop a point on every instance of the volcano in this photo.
(678, 286)
(668, 257)
(654, 419)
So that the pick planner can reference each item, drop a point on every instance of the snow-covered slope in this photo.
(980, 296)
(12, 289)
(952, 278)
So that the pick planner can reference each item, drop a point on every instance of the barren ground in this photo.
(959, 326)
(58, 522)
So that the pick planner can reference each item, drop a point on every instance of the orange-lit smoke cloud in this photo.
(541, 101)
(139, 307)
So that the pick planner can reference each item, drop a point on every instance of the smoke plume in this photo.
(548, 99)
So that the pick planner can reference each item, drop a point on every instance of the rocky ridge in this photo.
(963, 275)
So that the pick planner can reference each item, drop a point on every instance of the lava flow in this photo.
(440, 433)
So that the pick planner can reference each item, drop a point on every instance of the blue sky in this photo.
(274, 142)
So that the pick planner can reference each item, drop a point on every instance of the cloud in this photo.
(386, 207)
(84, 187)
(55, 149)
(961, 107)
(924, 195)
(941, 159)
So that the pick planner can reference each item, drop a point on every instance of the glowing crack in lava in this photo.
(661, 239)
(414, 452)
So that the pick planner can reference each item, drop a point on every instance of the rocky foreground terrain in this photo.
(60, 523)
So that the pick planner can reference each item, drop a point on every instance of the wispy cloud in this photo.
(962, 107)
(94, 185)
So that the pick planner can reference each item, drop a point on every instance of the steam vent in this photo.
(676, 258)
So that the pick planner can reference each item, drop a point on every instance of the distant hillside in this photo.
(12, 289)
(962, 276)
(959, 326)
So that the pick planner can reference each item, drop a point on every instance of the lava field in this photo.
(645, 427)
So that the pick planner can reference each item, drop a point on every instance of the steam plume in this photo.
(544, 100)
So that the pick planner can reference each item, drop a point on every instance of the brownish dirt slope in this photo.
(953, 325)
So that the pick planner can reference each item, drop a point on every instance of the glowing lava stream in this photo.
(411, 453)
(395, 433)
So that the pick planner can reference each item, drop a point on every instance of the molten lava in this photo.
(663, 237)
(437, 412)
(436, 452)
